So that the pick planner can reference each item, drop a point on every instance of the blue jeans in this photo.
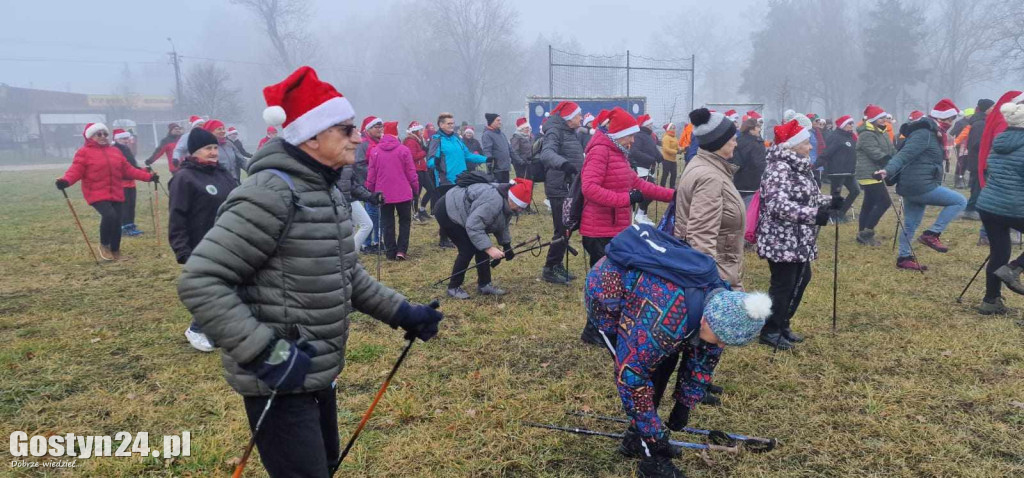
(374, 212)
(913, 212)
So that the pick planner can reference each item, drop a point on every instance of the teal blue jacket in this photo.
(1003, 193)
(917, 168)
(456, 157)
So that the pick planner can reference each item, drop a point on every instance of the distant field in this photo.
(912, 385)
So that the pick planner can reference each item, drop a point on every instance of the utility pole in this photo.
(176, 61)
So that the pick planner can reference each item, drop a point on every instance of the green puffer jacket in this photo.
(1003, 193)
(873, 151)
(919, 164)
(244, 295)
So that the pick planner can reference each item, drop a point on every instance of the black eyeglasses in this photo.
(102, 133)
(346, 129)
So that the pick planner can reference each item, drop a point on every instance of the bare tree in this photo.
(207, 92)
(1010, 35)
(892, 45)
(285, 22)
(964, 33)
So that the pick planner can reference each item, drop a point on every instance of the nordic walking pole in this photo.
(571, 249)
(681, 444)
(152, 209)
(960, 300)
(411, 337)
(835, 272)
(380, 240)
(80, 228)
(240, 467)
(768, 443)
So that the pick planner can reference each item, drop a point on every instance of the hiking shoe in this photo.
(996, 307)
(776, 341)
(401, 256)
(983, 241)
(715, 389)
(931, 239)
(1011, 277)
(867, 238)
(198, 340)
(631, 446)
(565, 272)
(971, 216)
(592, 336)
(106, 254)
(658, 467)
(458, 293)
(790, 336)
(710, 400)
(490, 289)
(551, 275)
(910, 264)
(446, 244)
(641, 218)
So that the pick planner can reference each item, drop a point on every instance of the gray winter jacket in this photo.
(495, 145)
(522, 144)
(351, 187)
(482, 209)
(231, 160)
(560, 145)
(245, 292)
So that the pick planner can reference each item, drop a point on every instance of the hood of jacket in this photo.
(292, 161)
(1009, 141)
(388, 143)
(923, 123)
(778, 154)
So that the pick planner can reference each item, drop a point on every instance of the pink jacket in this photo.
(391, 171)
(607, 180)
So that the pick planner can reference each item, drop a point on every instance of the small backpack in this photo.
(572, 207)
(535, 170)
(753, 215)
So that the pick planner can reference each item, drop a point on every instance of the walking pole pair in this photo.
(80, 228)
(521, 244)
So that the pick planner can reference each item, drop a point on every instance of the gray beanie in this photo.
(712, 130)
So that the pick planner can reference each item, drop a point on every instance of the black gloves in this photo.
(635, 196)
(377, 199)
(418, 320)
(149, 162)
(283, 365)
(154, 178)
(62, 184)
(509, 253)
(567, 168)
(836, 204)
(822, 217)
(679, 417)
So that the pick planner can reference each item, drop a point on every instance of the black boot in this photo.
(790, 336)
(658, 467)
(632, 447)
(775, 340)
(711, 400)
(715, 389)
(592, 336)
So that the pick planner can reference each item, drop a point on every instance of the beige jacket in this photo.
(710, 215)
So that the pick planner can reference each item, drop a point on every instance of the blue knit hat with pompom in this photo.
(736, 317)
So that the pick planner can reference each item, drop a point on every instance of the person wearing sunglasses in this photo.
(103, 169)
(274, 281)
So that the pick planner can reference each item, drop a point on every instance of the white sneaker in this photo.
(548, 204)
(642, 218)
(198, 341)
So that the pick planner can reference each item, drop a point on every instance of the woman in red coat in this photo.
(610, 186)
(102, 169)
(417, 146)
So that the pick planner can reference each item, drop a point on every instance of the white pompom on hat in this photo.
(1013, 113)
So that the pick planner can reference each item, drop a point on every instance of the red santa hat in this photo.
(121, 134)
(567, 109)
(522, 123)
(369, 122)
(791, 134)
(873, 113)
(521, 193)
(213, 124)
(587, 119)
(602, 118)
(668, 126)
(93, 128)
(621, 124)
(304, 106)
(271, 129)
(414, 127)
(944, 109)
(232, 131)
(751, 115)
(842, 121)
(732, 115)
(469, 129)
(194, 120)
(915, 115)
(644, 120)
(391, 127)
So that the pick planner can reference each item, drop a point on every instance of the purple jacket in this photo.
(392, 171)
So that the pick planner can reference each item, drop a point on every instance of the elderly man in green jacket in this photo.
(917, 172)
(272, 284)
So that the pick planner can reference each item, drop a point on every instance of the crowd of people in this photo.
(269, 241)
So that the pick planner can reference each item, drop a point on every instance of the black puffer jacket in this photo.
(560, 145)
(840, 157)
(645, 152)
(245, 291)
(974, 141)
(351, 186)
(197, 191)
(750, 158)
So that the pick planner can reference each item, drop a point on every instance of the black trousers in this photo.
(668, 170)
(426, 184)
(999, 248)
(788, 282)
(110, 223)
(556, 253)
(128, 207)
(975, 185)
(299, 436)
(404, 211)
(876, 202)
(520, 170)
(662, 374)
(840, 180)
(467, 251)
(595, 247)
(646, 203)
(501, 177)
